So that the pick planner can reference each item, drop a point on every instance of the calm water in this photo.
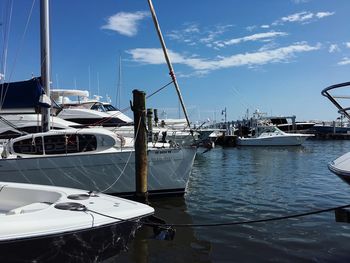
(234, 184)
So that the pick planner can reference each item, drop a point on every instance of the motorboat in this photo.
(14, 125)
(85, 111)
(46, 223)
(290, 126)
(271, 136)
(19, 110)
(341, 167)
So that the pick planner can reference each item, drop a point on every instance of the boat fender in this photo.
(164, 133)
(71, 206)
(4, 154)
(122, 140)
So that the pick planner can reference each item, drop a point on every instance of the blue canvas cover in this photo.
(20, 95)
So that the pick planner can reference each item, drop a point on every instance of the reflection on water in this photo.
(184, 248)
(246, 183)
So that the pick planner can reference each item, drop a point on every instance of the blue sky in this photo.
(275, 56)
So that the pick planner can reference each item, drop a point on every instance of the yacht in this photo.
(47, 223)
(271, 136)
(88, 112)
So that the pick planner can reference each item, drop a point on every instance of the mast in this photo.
(171, 70)
(45, 60)
(117, 100)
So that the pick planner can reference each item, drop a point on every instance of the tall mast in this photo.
(171, 70)
(45, 60)
(117, 101)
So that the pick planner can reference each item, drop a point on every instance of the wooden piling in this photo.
(141, 164)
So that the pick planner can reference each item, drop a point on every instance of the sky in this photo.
(272, 55)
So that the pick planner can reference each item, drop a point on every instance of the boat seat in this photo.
(28, 208)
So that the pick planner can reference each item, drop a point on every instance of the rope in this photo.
(158, 90)
(127, 162)
(233, 223)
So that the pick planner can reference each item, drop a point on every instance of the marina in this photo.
(83, 179)
(248, 183)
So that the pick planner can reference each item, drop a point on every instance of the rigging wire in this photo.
(127, 162)
(4, 91)
(100, 122)
(6, 31)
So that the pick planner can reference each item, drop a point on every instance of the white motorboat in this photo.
(46, 223)
(94, 159)
(272, 136)
(13, 125)
(341, 167)
(87, 111)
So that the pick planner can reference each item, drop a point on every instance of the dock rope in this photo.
(246, 222)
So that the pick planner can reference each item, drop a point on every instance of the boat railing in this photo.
(341, 109)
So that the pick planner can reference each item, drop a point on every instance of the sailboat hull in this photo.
(112, 173)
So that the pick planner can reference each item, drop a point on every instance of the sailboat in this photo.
(91, 159)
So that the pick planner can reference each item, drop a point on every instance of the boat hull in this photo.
(87, 245)
(112, 173)
(341, 167)
(283, 140)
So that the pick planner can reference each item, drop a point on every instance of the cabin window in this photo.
(29, 146)
(98, 107)
(73, 143)
(57, 144)
(87, 143)
(109, 107)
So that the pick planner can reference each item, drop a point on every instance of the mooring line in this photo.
(233, 223)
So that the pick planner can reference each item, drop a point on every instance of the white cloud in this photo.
(302, 17)
(300, 1)
(298, 17)
(344, 61)
(193, 35)
(125, 23)
(250, 28)
(267, 36)
(265, 26)
(155, 56)
(324, 14)
(347, 44)
(333, 48)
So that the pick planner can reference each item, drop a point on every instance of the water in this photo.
(235, 184)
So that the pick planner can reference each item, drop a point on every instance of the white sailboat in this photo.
(58, 157)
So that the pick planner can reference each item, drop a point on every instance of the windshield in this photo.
(109, 107)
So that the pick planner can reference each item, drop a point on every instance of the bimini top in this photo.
(21, 95)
